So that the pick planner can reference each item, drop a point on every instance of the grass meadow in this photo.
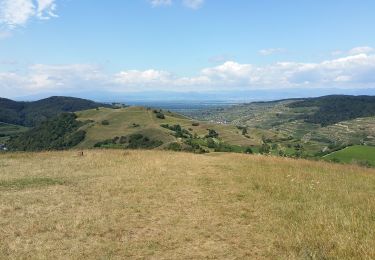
(113, 204)
(356, 153)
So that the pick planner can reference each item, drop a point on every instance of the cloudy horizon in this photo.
(83, 58)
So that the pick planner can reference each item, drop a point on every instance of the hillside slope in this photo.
(336, 108)
(33, 113)
(308, 123)
(140, 120)
(162, 205)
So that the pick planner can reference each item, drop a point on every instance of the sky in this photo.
(118, 48)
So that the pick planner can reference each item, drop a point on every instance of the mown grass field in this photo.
(359, 153)
(113, 204)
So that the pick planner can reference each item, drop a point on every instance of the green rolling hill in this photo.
(140, 120)
(282, 128)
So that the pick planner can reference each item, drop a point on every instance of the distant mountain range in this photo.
(227, 96)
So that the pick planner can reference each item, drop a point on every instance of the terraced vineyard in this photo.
(284, 125)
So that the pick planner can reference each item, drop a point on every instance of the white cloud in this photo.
(354, 51)
(356, 71)
(46, 9)
(360, 50)
(272, 51)
(15, 13)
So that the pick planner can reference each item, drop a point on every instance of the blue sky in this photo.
(68, 46)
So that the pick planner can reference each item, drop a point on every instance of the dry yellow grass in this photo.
(164, 205)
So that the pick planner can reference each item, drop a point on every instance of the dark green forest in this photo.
(33, 113)
(58, 133)
(337, 108)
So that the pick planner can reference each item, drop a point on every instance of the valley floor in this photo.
(113, 204)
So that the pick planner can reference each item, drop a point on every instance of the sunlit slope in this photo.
(111, 204)
(130, 120)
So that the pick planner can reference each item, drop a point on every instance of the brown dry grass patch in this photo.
(164, 205)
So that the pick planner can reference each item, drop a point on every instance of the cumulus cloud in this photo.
(354, 51)
(360, 50)
(15, 13)
(355, 71)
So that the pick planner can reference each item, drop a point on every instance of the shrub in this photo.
(211, 143)
(160, 115)
(224, 148)
(248, 150)
(195, 124)
(264, 149)
(105, 122)
(104, 143)
(335, 160)
(175, 147)
(138, 141)
(212, 133)
(363, 163)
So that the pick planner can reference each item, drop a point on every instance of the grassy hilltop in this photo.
(113, 204)
(141, 120)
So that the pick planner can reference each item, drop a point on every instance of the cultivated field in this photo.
(357, 153)
(113, 204)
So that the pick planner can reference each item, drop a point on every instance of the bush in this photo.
(105, 122)
(104, 143)
(225, 148)
(138, 141)
(363, 163)
(212, 133)
(335, 160)
(264, 149)
(179, 131)
(160, 115)
(211, 143)
(195, 124)
(249, 150)
(175, 147)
